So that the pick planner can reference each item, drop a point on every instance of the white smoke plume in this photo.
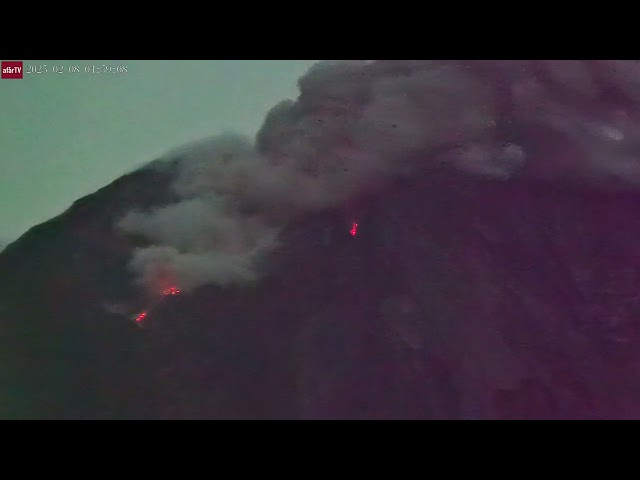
(358, 124)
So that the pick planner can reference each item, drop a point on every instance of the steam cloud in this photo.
(358, 124)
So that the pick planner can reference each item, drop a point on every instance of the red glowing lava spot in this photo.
(142, 316)
(354, 229)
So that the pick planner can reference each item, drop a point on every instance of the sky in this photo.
(65, 135)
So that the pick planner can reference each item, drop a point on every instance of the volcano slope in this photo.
(457, 298)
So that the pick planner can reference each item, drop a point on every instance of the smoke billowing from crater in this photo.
(358, 124)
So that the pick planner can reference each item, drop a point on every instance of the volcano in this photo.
(407, 240)
(524, 305)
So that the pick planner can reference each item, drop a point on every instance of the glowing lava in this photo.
(171, 291)
(354, 229)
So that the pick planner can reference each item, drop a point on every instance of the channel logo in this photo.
(12, 70)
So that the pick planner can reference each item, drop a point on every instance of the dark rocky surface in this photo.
(457, 299)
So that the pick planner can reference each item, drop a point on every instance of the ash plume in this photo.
(356, 125)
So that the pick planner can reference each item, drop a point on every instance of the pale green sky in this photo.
(63, 136)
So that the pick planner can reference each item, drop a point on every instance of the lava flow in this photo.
(142, 316)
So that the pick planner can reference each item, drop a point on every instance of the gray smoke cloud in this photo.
(358, 124)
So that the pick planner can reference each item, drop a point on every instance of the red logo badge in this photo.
(12, 70)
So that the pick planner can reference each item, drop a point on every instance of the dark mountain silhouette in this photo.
(457, 298)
